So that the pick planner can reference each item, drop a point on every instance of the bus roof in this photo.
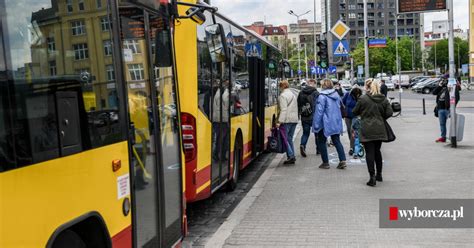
(249, 32)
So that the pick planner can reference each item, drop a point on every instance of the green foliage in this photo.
(384, 59)
(442, 53)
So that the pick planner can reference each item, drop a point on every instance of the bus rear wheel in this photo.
(232, 185)
(69, 239)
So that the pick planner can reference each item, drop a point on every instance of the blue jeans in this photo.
(306, 132)
(323, 148)
(443, 115)
(290, 132)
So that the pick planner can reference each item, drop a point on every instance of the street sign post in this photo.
(360, 70)
(465, 68)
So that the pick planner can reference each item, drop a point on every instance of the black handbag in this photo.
(390, 134)
(436, 111)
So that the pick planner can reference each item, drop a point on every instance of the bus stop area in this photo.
(303, 206)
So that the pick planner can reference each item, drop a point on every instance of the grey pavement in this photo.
(304, 206)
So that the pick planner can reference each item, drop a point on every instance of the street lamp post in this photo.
(366, 41)
(299, 37)
(314, 38)
(398, 62)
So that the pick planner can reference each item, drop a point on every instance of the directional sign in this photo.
(340, 29)
(377, 43)
(340, 48)
(300, 72)
(465, 69)
(360, 69)
(313, 70)
(332, 69)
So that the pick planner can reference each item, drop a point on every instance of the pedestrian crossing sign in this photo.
(340, 48)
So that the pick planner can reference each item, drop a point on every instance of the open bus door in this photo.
(149, 85)
(257, 92)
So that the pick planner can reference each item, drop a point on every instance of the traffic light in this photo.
(323, 54)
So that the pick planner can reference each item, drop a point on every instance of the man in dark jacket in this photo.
(383, 88)
(443, 105)
(306, 109)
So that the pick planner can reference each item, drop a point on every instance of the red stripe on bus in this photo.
(123, 239)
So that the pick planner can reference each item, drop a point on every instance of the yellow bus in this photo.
(228, 98)
(90, 133)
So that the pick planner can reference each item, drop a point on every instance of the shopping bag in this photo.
(278, 141)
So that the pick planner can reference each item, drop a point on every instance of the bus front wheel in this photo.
(235, 169)
(69, 239)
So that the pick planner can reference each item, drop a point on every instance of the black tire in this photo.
(232, 184)
(426, 91)
(361, 152)
(68, 239)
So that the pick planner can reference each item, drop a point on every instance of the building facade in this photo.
(277, 35)
(381, 16)
(304, 32)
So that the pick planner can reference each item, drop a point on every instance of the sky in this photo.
(245, 12)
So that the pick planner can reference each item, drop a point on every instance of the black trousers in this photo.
(373, 156)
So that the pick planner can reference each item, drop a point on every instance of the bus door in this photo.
(221, 88)
(257, 92)
(153, 110)
(220, 123)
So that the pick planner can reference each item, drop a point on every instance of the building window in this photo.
(352, 6)
(78, 27)
(107, 47)
(69, 8)
(381, 14)
(360, 15)
(98, 4)
(352, 24)
(352, 33)
(81, 4)
(105, 23)
(110, 72)
(52, 68)
(391, 32)
(136, 72)
(352, 15)
(391, 5)
(391, 23)
(380, 5)
(132, 45)
(80, 51)
(380, 23)
(51, 44)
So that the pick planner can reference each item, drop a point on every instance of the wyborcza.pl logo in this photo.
(426, 213)
(410, 214)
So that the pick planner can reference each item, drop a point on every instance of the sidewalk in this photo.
(303, 205)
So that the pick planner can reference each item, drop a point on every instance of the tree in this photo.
(442, 53)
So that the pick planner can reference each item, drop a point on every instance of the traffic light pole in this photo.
(366, 41)
(453, 126)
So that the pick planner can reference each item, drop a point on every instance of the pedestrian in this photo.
(383, 88)
(443, 106)
(288, 117)
(327, 122)
(339, 89)
(306, 109)
(349, 100)
(373, 109)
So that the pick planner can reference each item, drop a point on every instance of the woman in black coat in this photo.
(373, 109)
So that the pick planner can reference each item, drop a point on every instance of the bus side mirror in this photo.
(196, 15)
(163, 51)
(216, 43)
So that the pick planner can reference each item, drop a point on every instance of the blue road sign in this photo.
(300, 72)
(377, 43)
(340, 48)
(313, 70)
(465, 68)
(332, 69)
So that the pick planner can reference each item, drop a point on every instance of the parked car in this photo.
(417, 79)
(390, 85)
(405, 80)
(426, 87)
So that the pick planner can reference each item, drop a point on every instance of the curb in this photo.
(218, 239)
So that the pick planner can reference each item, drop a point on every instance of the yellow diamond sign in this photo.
(340, 29)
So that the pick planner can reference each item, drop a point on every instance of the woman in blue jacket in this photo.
(327, 122)
(349, 100)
